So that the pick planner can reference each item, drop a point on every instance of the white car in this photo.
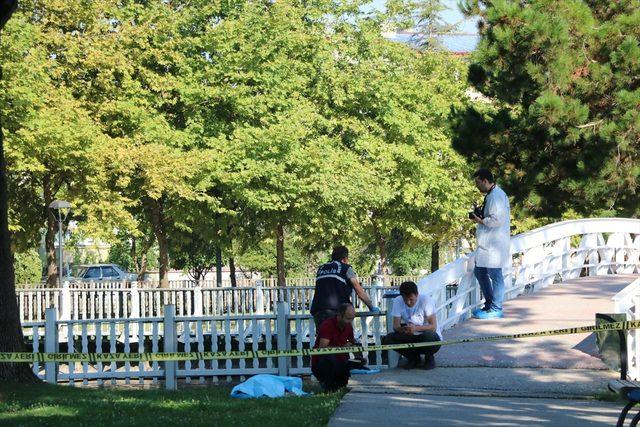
(103, 273)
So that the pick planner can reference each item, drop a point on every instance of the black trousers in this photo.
(323, 315)
(331, 373)
(413, 353)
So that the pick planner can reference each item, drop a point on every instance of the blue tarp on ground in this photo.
(366, 371)
(268, 385)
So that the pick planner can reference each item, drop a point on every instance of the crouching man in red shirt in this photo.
(332, 370)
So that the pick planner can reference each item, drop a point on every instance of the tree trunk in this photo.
(140, 259)
(11, 339)
(50, 236)
(142, 269)
(159, 230)
(218, 266)
(435, 256)
(280, 255)
(382, 249)
(232, 272)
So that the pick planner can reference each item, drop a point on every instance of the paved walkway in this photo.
(564, 305)
(534, 381)
(359, 409)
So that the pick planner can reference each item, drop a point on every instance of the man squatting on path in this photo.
(414, 321)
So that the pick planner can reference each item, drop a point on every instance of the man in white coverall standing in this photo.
(493, 241)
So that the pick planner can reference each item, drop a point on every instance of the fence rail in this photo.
(81, 304)
(269, 282)
(78, 300)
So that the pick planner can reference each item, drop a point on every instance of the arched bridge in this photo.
(582, 265)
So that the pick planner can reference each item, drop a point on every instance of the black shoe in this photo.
(429, 362)
(411, 363)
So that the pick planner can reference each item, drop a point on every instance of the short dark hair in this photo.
(484, 174)
(408, 288)
(342, 308)
(339, 253)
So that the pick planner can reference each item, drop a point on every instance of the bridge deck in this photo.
(564, 305)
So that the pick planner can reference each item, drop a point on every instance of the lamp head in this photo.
(62, 207)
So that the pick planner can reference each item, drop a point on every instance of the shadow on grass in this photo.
(63, 405)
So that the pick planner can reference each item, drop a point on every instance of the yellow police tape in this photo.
(255, 354)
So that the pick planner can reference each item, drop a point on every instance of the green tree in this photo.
(28, 267)
(285, 170)
(195, 250)
(424, 17)
(11, 340)
(390, 105)
(50, 136)
(405, 256)
(561, 123)
(136, 254)
(259, 259)
(136, 64)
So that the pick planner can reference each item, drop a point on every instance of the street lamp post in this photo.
(60, 210)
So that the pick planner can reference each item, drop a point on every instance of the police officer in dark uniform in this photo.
(335, 281)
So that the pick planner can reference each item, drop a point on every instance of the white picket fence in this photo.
(269, 282)
(282, 330)
(80, 304)
(132, 299)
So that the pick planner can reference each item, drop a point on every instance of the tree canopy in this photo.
(191, 126)
(562, 122)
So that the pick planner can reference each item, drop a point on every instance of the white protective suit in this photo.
(493, 235)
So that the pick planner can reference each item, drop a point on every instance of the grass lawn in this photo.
(51, 405)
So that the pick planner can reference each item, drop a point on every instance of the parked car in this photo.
(103, 273)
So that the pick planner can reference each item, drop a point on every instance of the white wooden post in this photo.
(50, 344)
(284, 336)
(468, 281)
(259, 307)
(170, 346)
(566, 257)
(378, 282)
(197, 300)
(135, 310)
(64, 310)
(589, 244)
(135, 301)
(65, 302)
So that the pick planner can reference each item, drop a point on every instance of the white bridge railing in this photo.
(556, 252)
